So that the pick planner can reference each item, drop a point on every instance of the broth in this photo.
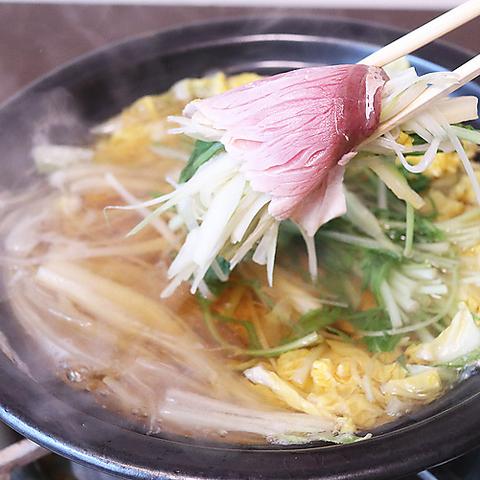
(91, 298)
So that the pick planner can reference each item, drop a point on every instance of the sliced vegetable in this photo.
(202, 152)
(395, 181)
(409, 231)
(261, 376)
(421, 385)
(458, 340)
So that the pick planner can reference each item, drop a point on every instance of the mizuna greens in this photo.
(375, 317)
(229, 214)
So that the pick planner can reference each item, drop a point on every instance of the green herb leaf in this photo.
(209, 318)
(340, 334)
(297, 439)
(216, 285)
(417, 181)
(202, 152)
(376, 267)
(463, 361)
(256, 286)
(386, 343)
(466, 126)
(371, 319)
(417, 139)
(288, 233)
(306, 341)
(375, 319)
(425, 231)
(316, 319)
(336, 256)
(253, 340)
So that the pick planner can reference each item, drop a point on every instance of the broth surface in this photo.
(249, 362)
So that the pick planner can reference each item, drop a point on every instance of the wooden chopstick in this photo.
(432, 30)
(468, 71)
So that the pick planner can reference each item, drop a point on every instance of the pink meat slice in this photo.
(296, 131)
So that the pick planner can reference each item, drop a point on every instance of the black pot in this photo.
(97, 86)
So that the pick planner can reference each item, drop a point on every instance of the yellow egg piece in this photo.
(404, 139)
(447, 206)
(289, 363)
(463, 190)
(323, 375)
(242, 79)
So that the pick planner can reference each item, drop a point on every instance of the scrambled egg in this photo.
(451, 192)
(334, 380)
(470, 292)
(463, 191)
(192, 88)
(446, 206)
(345, 381)
(443, 163)
(360, 389)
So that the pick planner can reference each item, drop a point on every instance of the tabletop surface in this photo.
(35, 38)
